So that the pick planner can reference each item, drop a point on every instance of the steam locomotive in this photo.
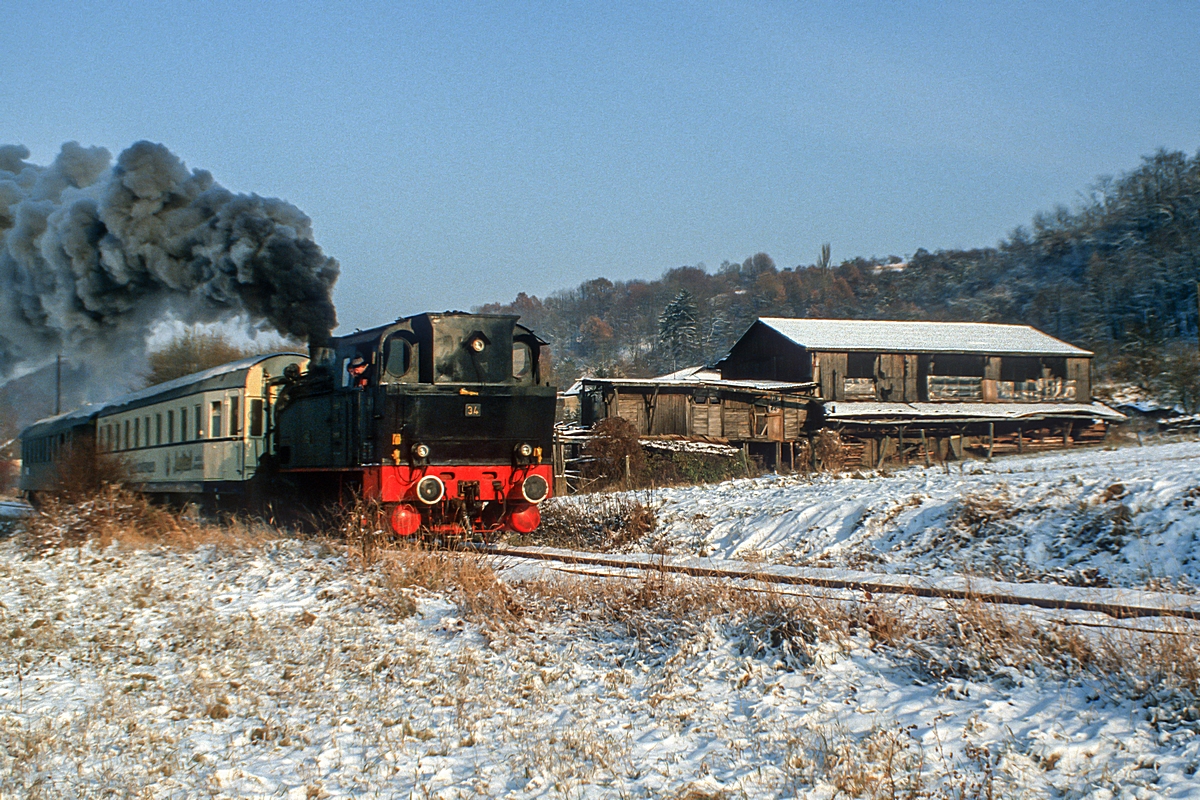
(444, 419)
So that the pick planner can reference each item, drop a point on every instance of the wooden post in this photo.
(903, 458)
(1067, 434)
(1020, 442)
(883, 443)
(560, 470)
(627, 473)
(991, 439)
(925, 446)
(791, 456)
(779, 457)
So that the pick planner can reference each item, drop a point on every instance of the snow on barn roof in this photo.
(871, 413)
(895, 336)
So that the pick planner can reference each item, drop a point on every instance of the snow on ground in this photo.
(283, 671)
(1122, 517)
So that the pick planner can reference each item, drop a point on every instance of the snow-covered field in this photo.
(287, 669)
(1123, 517)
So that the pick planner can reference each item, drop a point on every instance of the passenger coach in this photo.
(203, 434)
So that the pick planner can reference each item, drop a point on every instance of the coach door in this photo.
(256, 433)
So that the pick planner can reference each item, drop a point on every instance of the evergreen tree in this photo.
(677, 327)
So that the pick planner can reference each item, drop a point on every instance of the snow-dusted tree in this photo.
(677, 327)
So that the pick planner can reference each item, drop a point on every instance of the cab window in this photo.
(398, 357)
(522, 360)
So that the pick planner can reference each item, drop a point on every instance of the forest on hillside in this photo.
(1117, 275)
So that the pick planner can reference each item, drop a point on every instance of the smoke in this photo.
(93, 255)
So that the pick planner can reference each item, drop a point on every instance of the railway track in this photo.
(1117, 603)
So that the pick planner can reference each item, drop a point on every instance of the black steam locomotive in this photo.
(442, 418)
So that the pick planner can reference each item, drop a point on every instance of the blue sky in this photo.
(454, 154)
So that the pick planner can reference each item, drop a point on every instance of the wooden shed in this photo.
(760, 416)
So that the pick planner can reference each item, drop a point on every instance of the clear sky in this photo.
(454, 154)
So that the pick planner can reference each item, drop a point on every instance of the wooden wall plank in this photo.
(1079, 370)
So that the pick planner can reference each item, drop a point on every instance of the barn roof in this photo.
(891, 336)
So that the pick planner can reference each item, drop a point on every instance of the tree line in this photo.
(1117, 275)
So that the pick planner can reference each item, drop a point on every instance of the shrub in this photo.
(829, 451)
(82, 472)
(614, 440)
(665, 469)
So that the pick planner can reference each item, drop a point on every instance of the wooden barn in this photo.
(902, 390)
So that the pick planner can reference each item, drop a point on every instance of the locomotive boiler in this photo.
(444, 419)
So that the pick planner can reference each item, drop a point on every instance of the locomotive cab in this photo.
(443, 418)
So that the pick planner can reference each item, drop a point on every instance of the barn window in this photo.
(957, 364)
(861, 365)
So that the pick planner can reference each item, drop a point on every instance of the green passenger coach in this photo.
(205, 433)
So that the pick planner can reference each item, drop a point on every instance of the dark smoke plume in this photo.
(93, 255)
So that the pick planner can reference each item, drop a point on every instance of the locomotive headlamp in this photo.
(430, 489)
(525, 450)
(534, 489)
(477, 344)
(421, 451)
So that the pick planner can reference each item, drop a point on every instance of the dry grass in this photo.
(599, 522)
(113, 514)
(467, 579)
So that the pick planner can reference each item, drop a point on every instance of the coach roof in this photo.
(222, 377)
(890, 336)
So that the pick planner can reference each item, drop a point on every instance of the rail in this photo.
(1118, 603)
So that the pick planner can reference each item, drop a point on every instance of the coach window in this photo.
(183, 423)
(235, 418)
(147, 430)
(158, 428)
(256, 417)
(199, 421)
(214, 425)
(126, 447)
(137, 431)
(170, 427)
